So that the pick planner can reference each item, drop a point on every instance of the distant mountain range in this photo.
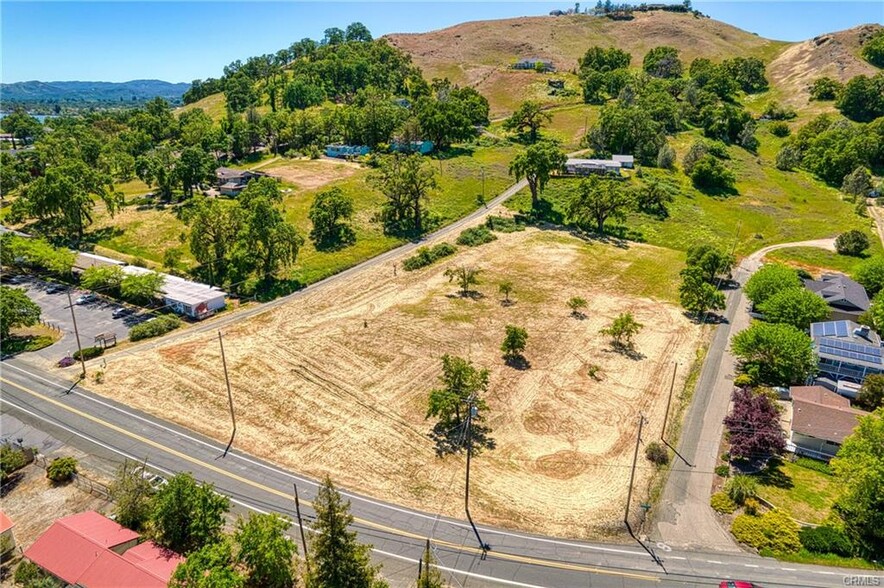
(82, 93)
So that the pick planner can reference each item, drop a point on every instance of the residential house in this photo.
(821, 420)
(846, 351)
(231, 182)
(534, 63)
(89, 550)
(847, 299)
(346, 151)
(191, 299)
(7, 539)
(584, 167)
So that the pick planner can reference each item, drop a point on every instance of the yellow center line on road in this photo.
(372, 524)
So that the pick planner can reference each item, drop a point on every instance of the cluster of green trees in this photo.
(705, 268)
(189, 518)
(659, 101)
(245, 242)
(832, 148)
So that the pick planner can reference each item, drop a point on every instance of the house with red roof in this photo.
(7, 539)
(92, 551)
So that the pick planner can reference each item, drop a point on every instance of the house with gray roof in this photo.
(847, 299)
(846, 351)
(534, 63)
(576, 166)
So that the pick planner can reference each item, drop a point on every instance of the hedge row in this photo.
(154, 328)
(427, 255)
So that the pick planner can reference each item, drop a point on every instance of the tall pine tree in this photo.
(338, 560)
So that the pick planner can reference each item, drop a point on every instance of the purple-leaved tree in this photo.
(754, 425)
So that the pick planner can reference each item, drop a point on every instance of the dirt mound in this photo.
(835, 55)
(479, 53)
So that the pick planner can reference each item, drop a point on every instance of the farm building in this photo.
(346, 151)
(422, 147)
(846, 298)
(85, 260)
(846, 351)
(90, 550)
(820, 421)
(535, 64)
(627, 161)
(584, 167)
(231, 182)
(191, 299)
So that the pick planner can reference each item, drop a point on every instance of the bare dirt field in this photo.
(336, 382)
(309, 174)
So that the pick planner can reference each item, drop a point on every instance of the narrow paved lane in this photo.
(684, 517)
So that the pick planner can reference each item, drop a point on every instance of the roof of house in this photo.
(77, 549)
(624, 158)
(817, 413)
(848, 342)
(839, 290)
(179, 289)
(819, 395)
(576, 161)
(5, 522)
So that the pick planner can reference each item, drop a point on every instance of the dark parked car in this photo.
(121, 312)
(55, 288)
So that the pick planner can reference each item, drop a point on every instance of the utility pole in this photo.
(638, 440)
(229, 394)
(472, 412)
(301, 526)
(668, 403)
(483, 186)
(77, 335)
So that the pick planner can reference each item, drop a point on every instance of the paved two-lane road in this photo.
(102, 426)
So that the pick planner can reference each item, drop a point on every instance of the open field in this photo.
(814, 260)
(806, 495)
(336, 381)
(770, 206)
(310, 174)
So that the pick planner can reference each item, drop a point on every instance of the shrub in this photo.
(29, 575)
(504, 224)
(11, 459)
(723, 471)
(475, 236)
(710, 174)
(427, 255)
(852, 242)
(154, 328)
(751, 506)
(722, 503)
(773, 530)
(740, 488)
(776, 111)
(817, 466)
(826, 540)
(779, 129)
(666, 157)
(743, 380)
(89, 353)
(656, 453)
(61, 469)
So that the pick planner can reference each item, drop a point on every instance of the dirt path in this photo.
(877, 215)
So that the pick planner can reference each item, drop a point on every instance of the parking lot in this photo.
(93, 318)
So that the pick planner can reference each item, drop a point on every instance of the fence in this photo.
(80, 480)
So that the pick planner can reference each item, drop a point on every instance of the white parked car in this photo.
(86, 298)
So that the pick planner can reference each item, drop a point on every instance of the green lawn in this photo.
(807, 495)
(770, 206)
(815, 260)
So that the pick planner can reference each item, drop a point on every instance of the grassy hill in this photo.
(479, 53)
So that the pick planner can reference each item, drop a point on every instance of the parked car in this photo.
(55, 288)
(121, 312)
(13, 279)
(86, 298)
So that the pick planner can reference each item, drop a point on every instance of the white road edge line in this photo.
(713, 561)
(258, 510)
(313, 483)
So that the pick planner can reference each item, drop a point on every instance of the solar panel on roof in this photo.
(816, 329)
(841, 329)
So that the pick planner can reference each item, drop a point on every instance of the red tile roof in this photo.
(5, 522)
(77, 549)
(98, 528)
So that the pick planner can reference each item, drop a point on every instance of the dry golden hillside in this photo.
(479, 53)
(835, 55)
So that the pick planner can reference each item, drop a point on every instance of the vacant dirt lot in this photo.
(308, 174)
(336, 382)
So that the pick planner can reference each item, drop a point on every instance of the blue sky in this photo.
(119, 41)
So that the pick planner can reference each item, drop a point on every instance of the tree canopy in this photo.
(598, 200)
(770, 279)
(775, 354)
(798, 307)
(753, 426)
(536, 164)
(187, 515)
(16, 310)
